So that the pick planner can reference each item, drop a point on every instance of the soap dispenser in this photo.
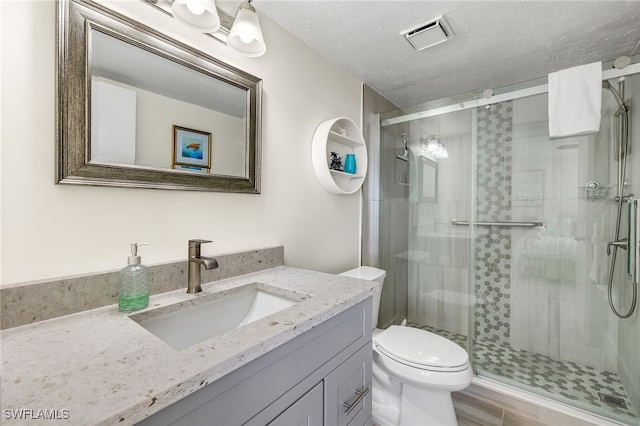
(134, 283)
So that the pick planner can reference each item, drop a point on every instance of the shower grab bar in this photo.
(533, 224)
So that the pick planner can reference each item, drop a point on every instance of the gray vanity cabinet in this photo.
(348, 390)
(322, 377)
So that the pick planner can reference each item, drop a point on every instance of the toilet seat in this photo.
(421, 349)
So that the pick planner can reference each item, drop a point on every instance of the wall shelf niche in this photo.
(343, 136)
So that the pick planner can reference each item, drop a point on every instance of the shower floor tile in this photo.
(575, 384)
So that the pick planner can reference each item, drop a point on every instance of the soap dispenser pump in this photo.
(134, 283)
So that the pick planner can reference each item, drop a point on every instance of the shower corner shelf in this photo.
(328, 138)
(602, 192)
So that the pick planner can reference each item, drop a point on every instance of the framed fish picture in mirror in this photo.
(191, 148)
(191, 169)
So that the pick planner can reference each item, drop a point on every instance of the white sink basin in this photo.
(187, 323)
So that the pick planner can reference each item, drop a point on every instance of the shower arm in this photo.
(616, 94)
(622, 137)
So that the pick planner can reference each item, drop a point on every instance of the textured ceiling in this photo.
(497, 43)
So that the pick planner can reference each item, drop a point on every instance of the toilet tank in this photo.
(370, 273)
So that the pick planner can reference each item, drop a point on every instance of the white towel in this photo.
(575, 100)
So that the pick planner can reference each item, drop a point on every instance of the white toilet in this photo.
(414, 371)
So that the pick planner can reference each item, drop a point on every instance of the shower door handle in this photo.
(532, 224)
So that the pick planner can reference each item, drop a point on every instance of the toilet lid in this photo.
(421, 349)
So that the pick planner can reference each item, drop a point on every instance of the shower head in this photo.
(403, 157)
(405, 154)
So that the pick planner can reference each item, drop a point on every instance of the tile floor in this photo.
(572, 383)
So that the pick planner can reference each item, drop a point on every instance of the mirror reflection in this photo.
(429, 172)
(138, 99)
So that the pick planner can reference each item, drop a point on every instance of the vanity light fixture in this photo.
(431, 145)
(243, 34)
(435, 148)
(198, 14)
(246, 34)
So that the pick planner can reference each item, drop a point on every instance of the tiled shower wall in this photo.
(385, 209)
(493, 244)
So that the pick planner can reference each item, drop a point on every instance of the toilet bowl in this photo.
(414, 371)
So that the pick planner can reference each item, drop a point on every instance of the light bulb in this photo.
(245, 38)
(432, 145)
(441, 152)
(200, 15)
(245, 35)
(195, 7)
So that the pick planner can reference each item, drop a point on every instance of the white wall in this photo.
(113, 123)
(152, 118)
(53, 230)
(157, 114)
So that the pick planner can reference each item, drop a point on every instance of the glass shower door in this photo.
(541, 319)
(439, 290)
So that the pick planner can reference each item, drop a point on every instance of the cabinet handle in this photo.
(349, 407)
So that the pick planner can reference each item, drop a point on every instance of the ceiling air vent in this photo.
(429, 34)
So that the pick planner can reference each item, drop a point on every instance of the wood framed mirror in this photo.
(123, 88)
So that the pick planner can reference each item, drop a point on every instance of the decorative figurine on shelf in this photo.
(336, 162)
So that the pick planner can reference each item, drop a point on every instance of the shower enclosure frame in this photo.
(516, 94)
(474, 104)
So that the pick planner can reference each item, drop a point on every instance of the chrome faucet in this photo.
(195, 260)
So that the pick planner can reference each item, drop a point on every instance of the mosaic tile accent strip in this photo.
(566, 381)
(493, 244)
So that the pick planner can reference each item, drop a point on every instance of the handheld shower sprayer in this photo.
(621, 149)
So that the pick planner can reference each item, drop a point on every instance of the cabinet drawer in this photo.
(348, 390)
(307, 411)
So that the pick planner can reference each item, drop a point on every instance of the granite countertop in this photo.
(101, 367)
